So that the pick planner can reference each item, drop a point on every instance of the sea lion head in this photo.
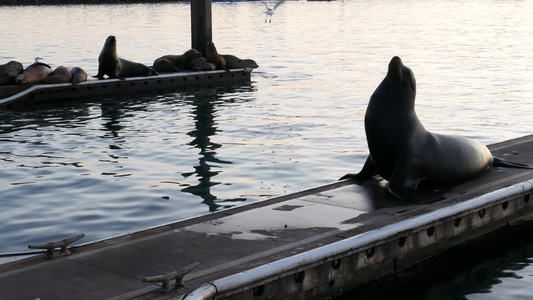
(21, 79)
(111, 41)
(211, 47)
(401, 74)
(192, 53)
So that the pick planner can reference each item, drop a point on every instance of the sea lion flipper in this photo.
(367, 172)
(100, 73)
(499, 162)
(402, 184)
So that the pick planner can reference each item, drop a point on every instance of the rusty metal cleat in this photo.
(63, 244)
(178, 275)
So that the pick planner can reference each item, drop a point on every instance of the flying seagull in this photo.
(270, 11)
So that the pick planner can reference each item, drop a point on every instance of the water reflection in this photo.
(111, 113)
(204, 113)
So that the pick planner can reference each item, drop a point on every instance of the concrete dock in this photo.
(314, 244)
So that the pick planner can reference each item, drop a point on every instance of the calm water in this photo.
(108, 166)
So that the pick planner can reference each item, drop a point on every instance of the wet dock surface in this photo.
(256, 235)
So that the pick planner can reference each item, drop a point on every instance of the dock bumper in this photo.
(343, 265)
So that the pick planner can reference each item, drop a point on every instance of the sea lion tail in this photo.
(498, 162)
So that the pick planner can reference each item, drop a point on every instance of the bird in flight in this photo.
(270, 11)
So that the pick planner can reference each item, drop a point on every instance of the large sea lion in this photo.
(59, 75)
(34, 73)
(233, 62)
(213, 57)
(201, 64)
(404, 153)
(9, 71)
(110, 64)
(78, 75)
(176, 63)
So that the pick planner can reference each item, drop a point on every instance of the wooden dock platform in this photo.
(26, 95)
(309, 245)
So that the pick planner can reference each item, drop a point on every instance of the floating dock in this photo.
(314, 244)
(26, 95)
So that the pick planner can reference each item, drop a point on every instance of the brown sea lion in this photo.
(233, 62)
(78, 75)
(201, 64)
(59, 75)
(34, 73)
(403, 152)
(110, 64)
(213, 57)
(176, 63)
(9, 71)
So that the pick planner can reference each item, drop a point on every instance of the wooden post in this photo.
(201, 25)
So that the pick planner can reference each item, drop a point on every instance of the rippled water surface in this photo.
(109, 166)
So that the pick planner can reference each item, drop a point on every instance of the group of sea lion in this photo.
(193, 60)
(112, 65)
(403, 152)
(14, 73)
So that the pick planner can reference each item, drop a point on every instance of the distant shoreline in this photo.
(63, 2)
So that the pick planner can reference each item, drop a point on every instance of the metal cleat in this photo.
(177, 275)
(63, 244)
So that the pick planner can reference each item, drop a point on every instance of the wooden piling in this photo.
(201, 25)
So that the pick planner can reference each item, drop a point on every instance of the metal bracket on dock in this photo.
(63, 244)
(177, 275)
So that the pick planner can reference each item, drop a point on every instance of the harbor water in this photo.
(106, 166)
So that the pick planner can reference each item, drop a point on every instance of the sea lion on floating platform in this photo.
(110, 64)
(34, 73)
(215, 58)
(201, 64)
(233, 62)
(59, 75)
(9, 71)
(404, 153)
(176, 63)
(78, 75)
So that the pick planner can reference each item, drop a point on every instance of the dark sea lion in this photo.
(110, 64)
(9, 71)
(176, 63)
(201, 64)
(34, 73)
(213, 57)
(134, 69)
(59, 75)
(78, 75)
(404, 153)
(233, 62)
(108, 61)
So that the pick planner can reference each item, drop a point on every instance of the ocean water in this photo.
(106, 166)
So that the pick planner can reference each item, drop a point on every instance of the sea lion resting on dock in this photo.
(9, 71)
(59, 75)
(233, 62)
(404, 153)
(110, 64)
(78, 75)
(34, 73)
(201, 64)
(176, 63)
(215, 58)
